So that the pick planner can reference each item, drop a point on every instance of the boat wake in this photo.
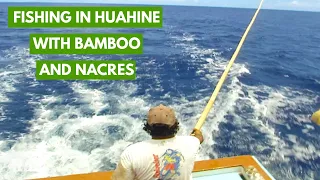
(71, 127)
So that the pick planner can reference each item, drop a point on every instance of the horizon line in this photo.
(316, 11)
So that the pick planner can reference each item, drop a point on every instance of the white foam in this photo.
(186, 37)
(2, 114)
(6, 86)
(94, 97)
(60, 145)
(215, 67)
(20, 65)
(267, 113)
(271, 112)
(292, 138)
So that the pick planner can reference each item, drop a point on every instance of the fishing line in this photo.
(225, 73)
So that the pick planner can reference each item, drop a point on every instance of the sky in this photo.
(300, 5)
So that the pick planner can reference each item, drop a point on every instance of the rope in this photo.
(225, 73)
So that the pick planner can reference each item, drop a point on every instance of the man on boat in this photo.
(165, 156)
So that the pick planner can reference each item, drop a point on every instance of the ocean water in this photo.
(52, 128)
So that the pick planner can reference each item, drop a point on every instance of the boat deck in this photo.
(229, 176)
(232, 173)
(230, 168)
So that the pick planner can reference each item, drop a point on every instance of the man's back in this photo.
(164, 159)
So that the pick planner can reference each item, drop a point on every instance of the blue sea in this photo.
(52, 128)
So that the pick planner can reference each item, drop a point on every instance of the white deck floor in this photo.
(228, 176)
(232, 173)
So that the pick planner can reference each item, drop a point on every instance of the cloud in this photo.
(300, 5)
(295, 3)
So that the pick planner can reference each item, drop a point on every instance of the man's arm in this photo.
(124, 170)
(119, 173)
(198, 134)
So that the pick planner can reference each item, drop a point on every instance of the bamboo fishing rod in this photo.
(225, 73)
